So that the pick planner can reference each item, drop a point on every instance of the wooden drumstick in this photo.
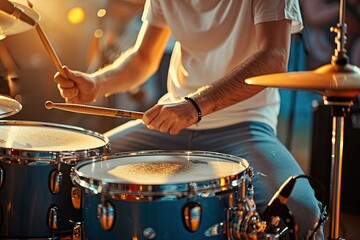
(50, 50)
(48, 46)
(94, 110)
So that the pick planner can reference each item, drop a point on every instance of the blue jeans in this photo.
(256, 142)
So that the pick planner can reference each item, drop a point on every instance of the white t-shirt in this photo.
(212, 37)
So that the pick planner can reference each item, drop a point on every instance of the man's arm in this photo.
(130, 70)
(137, 64)
(273, 41)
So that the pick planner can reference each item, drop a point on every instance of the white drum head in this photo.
(47, 138)
(160, 168)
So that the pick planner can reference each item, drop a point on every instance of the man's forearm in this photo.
(232, 88)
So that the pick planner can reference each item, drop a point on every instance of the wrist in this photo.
(196, 106)
(100, 86)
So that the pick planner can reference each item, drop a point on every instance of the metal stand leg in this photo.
(339, 110)
(336, 173)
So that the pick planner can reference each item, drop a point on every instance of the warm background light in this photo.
(101, 12)
(76, 15)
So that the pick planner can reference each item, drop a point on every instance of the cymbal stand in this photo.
(339, 108)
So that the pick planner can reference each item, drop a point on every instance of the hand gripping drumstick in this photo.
(94, 110)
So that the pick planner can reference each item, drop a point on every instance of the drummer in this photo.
(208, 106)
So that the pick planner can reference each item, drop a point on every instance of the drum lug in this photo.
(76, 197)
(192, 216)
(53, 217)
(1, 177)
(106, 215)
(107, 149)
(56, 179)
(77, 232)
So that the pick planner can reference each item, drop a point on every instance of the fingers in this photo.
(149, 117)
(75, 87)
(64, 81)
(169, 118)
(67, 87)
(69, 94)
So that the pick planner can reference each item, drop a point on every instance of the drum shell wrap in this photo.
(164, 217)
(28, 162)
(26, 200)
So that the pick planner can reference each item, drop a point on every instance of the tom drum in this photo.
(158, 194)
(37, 198)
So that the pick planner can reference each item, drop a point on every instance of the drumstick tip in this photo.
(49, 104)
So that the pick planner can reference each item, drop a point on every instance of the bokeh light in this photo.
(76, 15)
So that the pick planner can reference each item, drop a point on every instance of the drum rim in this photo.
(65, 155)
(150, 191)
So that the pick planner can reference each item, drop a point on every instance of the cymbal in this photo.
(11, 25)
(329, 80)
(8, 106)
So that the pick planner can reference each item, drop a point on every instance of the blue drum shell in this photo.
(30, 152)
(25, 200)
(165, 217)
(151, 190)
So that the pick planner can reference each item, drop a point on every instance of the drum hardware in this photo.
(243, 221)
(77, 232)
(53, 217)
(56, 179)
(76, 197)
(339, 83)
(94, 110)
(217, 229)
(72, 158)
(192, 216)
(106, 215)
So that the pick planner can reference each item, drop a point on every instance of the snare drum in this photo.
(158, 194)
(37, 198)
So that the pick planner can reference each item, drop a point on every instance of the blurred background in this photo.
(87, 35)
